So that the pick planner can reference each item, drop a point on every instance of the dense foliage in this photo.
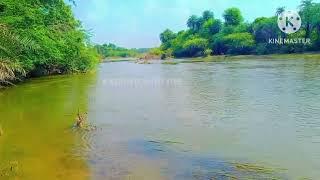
(207, 35)
(41, 37)
(111, 50)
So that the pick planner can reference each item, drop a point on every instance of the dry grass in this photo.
(80, 120)
(9, 71)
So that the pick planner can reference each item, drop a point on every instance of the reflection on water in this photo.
(223, 120)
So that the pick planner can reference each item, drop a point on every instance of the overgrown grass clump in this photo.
(9, 72)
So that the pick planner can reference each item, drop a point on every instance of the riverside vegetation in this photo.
(42, 37)
(112, 51)
(207, 35)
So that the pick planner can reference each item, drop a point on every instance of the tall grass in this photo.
(9, 71)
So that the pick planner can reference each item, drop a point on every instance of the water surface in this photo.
(246, 119)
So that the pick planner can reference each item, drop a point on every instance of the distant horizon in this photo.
(137, 24)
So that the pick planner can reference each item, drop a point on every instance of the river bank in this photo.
(119, 59)
(315, 55)
(257, 57)
(305, 56)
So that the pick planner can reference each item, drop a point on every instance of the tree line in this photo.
(111, 50)
(207, 35)
(41, 37)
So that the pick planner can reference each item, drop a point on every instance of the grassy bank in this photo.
(314, 56)
(248, 57)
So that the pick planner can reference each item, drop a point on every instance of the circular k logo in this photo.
(289, 22)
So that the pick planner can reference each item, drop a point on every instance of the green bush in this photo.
(207, 52)
(239, 43)
(111, 50)
(45, 38)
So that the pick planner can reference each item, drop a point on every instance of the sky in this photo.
(138, 23)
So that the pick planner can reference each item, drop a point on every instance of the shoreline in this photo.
(315, 55)
(248, 57)
(119, 59)
(220, 58)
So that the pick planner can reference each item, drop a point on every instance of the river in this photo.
(236, 119)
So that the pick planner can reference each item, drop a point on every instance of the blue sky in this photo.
(138, 23)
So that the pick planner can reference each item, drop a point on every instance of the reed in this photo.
(80, 120)
(9, 71)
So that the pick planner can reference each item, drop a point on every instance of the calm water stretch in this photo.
(238, 119)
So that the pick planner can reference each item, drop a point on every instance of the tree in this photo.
(195, 46)
(211, 27)
(232, 16)
(264, 29)
(316, 24)
(239, 43)
(63, 45)
(176, 45)
(306, 14)
(111, 50)
(280, 10)
(206, 15)
(191, 23)
(238, 37)
(218, 45)
(167, 35)
(194, 23)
